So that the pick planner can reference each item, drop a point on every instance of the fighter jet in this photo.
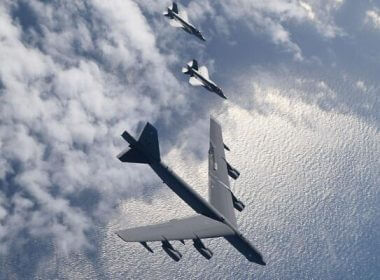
(215, 217)
(181, 20)
(199, 77)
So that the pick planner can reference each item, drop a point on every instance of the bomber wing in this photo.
(188, 228)
(220, 195)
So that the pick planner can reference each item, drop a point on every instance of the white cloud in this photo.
(373, 18)
(71, 85)
(93, 69)
(271, 17)
(308, 9)
(361, 85)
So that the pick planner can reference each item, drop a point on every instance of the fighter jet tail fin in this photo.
(145, 150)
(174, 7)
(193, 64)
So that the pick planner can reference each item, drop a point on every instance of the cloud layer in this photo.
(67, 92)
(302, 120)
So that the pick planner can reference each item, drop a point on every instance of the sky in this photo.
(302, 120)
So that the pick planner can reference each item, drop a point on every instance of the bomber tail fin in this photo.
(145, 150)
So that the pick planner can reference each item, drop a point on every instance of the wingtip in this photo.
(118, 234)
(213, 119)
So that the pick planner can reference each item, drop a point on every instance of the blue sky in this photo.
(302, 120)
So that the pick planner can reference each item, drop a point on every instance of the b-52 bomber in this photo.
(181, 20)
(199, 77)
(215, 218)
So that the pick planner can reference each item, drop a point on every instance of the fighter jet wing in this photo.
(175, 23)
(220, 195)
(188, 228)
(195, 82)
(204, 72)
(182, 14)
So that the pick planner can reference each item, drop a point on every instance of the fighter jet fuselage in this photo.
(201, 75)
(188, 27)
(208, 84)
(173, 14)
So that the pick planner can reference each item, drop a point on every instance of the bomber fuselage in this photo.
(196, 202)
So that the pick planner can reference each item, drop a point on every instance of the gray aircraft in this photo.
(199, 77)
(181, 20)
(215, 218)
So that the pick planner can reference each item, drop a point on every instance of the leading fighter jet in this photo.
(215, 218)
(199, 77)
(181, 20)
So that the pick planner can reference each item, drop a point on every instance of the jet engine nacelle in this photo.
(146, 246)
(232, 172)
(173, 253)
(238, 205)
(202, 249)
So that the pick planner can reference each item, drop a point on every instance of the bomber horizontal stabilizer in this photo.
(132, 155)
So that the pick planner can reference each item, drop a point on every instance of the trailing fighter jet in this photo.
(215, 218)
(181, 20)
(199, 77)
